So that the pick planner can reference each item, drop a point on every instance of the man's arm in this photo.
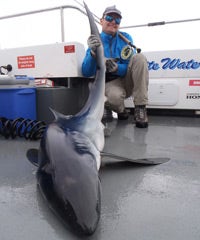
(89, 62)
(88, 65)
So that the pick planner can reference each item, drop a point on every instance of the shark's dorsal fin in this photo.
(58, 115)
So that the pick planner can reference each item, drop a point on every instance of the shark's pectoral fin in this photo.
(32, 155)
(145, 161)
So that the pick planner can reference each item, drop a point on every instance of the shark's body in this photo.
(69, 157)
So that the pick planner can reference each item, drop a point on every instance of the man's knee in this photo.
(115, 96)
(139, 58)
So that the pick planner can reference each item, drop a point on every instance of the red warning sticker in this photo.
(194, 83)
(26, 61)
(69, 49)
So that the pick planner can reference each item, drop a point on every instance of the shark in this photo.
(70, 153)
(69, 156)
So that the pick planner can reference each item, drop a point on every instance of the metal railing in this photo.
(61, 8)
(82, 11)
(152, 24)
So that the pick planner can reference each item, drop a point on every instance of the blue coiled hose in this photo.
(24, 128)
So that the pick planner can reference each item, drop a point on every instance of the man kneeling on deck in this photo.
(126, 72)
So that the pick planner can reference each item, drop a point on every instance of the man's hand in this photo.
(111, 66)
(93, 42)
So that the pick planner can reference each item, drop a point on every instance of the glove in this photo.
(111, 66)
(93, 42)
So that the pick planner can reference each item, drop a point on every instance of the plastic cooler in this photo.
(17, 101)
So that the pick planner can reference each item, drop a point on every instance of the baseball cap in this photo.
(112, 9)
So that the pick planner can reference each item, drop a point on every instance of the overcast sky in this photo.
(45, 28)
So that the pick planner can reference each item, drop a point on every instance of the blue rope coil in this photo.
(24, 128)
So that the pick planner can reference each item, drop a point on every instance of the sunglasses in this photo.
(111, 18)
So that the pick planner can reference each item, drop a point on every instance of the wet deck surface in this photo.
(139, 202)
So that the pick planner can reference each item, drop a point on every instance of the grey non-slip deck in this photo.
(160, 202)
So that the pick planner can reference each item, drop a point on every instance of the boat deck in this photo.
(139, 202)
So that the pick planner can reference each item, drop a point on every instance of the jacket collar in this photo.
(107, 36)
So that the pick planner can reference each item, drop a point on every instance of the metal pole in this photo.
(42, 10)
(161, 23)
(62, 24)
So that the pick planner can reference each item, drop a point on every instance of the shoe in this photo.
(140, 116)
(123, 115)
(107, 115)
